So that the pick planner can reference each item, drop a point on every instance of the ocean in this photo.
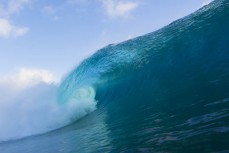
(167, 91)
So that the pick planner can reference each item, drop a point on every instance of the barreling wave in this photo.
(172, 84)
(189, 55)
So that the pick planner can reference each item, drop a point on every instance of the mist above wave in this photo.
(28, 105)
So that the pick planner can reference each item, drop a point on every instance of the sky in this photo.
(49, 38)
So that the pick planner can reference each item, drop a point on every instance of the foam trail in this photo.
(31, 108)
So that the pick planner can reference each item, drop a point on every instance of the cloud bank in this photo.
(25, 78)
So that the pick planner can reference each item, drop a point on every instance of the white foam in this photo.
(33, 109)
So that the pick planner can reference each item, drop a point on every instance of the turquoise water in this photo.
(167, 91)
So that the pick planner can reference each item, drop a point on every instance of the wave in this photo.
(172, 82)
(190, 54)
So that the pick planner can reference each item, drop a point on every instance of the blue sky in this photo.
(53, 36)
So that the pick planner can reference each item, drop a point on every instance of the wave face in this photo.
(171, 86)
(167, 91)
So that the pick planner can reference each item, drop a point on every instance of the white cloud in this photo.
(206, 2)
(117, 8)
(13, 6)
(49, 10)
(25, 77)
(16, 5)
(28, 76)
(8, 9)
(8, 30)
(77, 2)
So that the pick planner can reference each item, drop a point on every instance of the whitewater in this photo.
(29, 105)
(166, 91)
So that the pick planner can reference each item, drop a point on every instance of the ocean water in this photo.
(167, 91)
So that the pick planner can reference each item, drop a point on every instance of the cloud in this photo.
(77, 1)
(206, 2)
(8, 30)
(49, 10)
(25, 78)
(119, 8)
(12, 7)
(8, 9)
